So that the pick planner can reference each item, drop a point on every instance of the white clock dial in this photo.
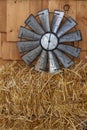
(49, 41)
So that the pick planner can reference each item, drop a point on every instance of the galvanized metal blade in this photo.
(71, 37)
(58, 16)
(65, 60)
(42, 62)
(45, 19)
(32, 22)
(32, 55)
(27, 34)
(53, 63)
(74, 51)
(25, 46)
(68, 25)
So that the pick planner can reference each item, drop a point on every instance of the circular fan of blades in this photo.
(51, 42)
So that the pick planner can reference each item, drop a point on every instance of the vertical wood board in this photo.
(3, 15)
(54, 5)
(11, 51)
(82, 25)
(72, 7)
(82, 20)
(0, 47)
(17, 12)
(45, 4)
(35, 6)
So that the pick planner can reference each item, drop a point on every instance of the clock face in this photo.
(49, 41)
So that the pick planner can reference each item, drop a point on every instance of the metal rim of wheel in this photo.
(49, 43)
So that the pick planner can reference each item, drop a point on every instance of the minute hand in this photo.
(49, 38)
(49, 41)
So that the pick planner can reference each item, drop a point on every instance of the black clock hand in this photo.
(49, 38)
(49, 41)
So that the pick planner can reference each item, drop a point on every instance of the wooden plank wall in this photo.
(14, 12)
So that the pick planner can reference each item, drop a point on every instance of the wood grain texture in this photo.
(45, 4)
(83, 45)
(82, 25)
(0, 46)
(83, 56)
(17, 12)
(35, 6)
(3, 37)
(3, 15)
(72, 7)
(82, 19)
(10, 51)
(54, 5)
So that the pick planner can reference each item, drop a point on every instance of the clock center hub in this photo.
(49, 41)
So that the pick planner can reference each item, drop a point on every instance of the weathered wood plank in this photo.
(83, 56)
(83, 45)
(82, 19)
(0, 46)
(10, 51)
(45, 4)
(3, 37)
(17, 12)
(82, 25)
(3, 15)
(71, 5)
(35, 6)
(54, 5)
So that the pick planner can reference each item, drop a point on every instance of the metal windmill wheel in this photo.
(51, 42)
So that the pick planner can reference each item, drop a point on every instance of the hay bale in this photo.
(41, 101)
